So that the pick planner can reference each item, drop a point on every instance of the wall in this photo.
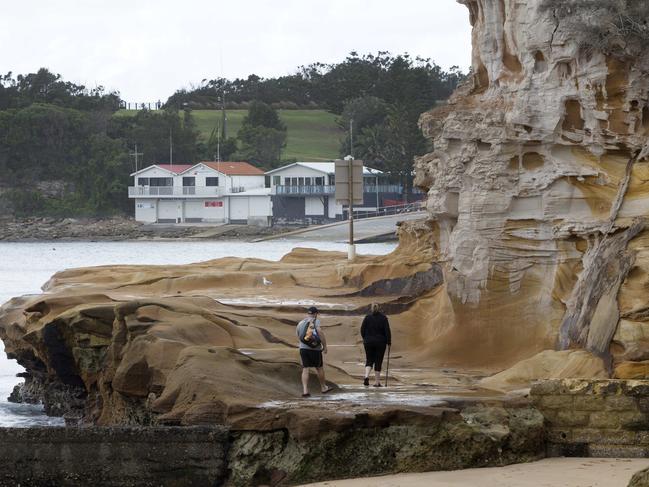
(145, 210)
(169, 456)
(594, 418)
(298, 172)
(248, 182)
(313, 206)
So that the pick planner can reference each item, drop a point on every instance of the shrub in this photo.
(614, 27)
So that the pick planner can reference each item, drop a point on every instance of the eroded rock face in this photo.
(538, 185)
(211, 342)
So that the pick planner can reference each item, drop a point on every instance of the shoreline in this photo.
(119, 229)
(557, 472)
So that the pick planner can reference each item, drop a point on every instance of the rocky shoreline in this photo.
(119, 229)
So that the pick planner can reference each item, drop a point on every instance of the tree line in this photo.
(328, 86)
(56, 131)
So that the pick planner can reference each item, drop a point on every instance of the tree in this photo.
(387, 137)
(49, 88)
(261, 114)
(102, 183)
(616, 27)
(217, 146)
(329, 86)
(262, 135)
(360, 113)
(152, 131)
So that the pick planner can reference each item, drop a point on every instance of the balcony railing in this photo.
(383, 188)
(174, 191)
(304, 190)
(331, 189)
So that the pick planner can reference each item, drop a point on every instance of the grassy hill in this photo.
(312, 134)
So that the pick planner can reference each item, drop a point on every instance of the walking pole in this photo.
(387, 368)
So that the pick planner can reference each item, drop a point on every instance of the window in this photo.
(332, 180)
(161, 181)
(266, 181)
(307, 181)
(212, 181)
(287, 181)
(319, 181)
(189, 181)
(277, 180)
(300, 181)
(293, 181)
(143, 181)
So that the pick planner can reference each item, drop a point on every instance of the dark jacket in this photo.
(375, 329)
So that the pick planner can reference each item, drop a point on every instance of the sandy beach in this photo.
(551, 472)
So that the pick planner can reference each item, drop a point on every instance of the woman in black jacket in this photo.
(375, 331)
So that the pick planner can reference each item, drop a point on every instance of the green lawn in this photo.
(312, 134)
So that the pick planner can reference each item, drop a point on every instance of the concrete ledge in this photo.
(113, 456)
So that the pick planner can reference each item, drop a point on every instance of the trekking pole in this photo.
(387, 368)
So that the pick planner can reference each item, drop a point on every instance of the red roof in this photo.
(235, 168)
(175, 168)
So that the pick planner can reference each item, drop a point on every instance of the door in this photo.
(239, 209)
(194, 211)
(168, 211)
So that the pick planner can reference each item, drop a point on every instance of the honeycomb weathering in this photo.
(538, 185)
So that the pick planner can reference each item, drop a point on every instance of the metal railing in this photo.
(174, 191)
(387, 210)
(282, 189)
(383, 188)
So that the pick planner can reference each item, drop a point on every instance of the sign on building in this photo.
(342, 181)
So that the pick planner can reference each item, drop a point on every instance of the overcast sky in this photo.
(147, 49)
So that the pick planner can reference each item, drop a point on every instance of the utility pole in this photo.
(351, 250)
(171, 149)
(218, 144)
(135, 154)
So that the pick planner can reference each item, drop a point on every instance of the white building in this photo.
(305, 191)
(228, 192)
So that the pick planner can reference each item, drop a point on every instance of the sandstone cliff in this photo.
(538, 186)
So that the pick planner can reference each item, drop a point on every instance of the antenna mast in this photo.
(171, 149)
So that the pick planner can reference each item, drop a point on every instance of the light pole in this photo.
(351, 249)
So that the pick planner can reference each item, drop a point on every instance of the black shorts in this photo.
(374, 355)
(311, 358)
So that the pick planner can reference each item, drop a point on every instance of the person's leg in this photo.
(369, 362)
(305, 380)
(379, 353)
(321, 378)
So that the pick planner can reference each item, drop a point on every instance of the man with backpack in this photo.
(312, 344)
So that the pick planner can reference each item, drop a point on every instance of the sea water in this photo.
(25, 267)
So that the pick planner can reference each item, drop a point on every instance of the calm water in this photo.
(25, 267)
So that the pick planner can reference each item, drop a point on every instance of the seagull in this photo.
(266, 281)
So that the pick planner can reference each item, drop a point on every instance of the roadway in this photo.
(364, 229)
